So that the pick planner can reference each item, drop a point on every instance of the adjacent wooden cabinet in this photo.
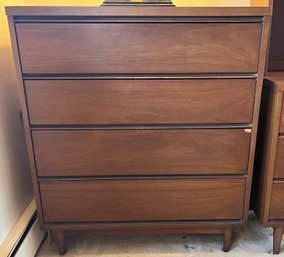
(269, 159)
(141, 119)
(276, 50)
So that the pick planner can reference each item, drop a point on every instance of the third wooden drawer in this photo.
(141, 152)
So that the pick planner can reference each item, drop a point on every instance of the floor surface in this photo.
(252, 241)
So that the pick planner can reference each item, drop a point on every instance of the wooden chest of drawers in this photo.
(141, 120)
(270, 155)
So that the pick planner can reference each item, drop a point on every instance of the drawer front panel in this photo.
(139, 48)
(138, 152)
(279, 164)
(277, 201)
(147, 200)
(140, 102)
(281, 129)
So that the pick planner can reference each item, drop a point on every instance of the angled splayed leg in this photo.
(277, 237)
(227, 239)
(60, 241)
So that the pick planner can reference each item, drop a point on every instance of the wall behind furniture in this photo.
(15, 179)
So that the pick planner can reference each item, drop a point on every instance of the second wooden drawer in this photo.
(140, 101)
(141, 152)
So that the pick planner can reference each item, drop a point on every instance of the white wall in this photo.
(15, 179)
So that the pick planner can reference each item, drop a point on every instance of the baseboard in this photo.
(25, 237)
(31, 242)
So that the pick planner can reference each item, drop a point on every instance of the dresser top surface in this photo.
(277, 79)
(250, 10)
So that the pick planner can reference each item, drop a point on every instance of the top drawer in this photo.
(139, 47)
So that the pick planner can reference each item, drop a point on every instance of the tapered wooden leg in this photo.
(50, 236)
(61, 242)
(277, 237)
(227, 239)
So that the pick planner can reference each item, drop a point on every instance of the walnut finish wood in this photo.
(263, 151)
(50, 236)
(204, 11)
(277, 237)
(227, 239)
(139, 101)
(277, 79)
(60, 241)
(142, 200)
(279, 163)
(149, 227)
(139, 47)
(276, 55)
(277, 201)
(261, 72)
(267, 147)
(141, 152)
(270, 208)
(201, 44)
(282, 117)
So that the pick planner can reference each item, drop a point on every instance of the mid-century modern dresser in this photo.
(269, 163)
(141, 119)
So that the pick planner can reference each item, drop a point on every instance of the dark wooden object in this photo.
(227, 239)
(126, 47)
(135, 200)
(269, 159)
(140, 101)
(141, 152)
(276, 55)
(141, 120)
(61, 243)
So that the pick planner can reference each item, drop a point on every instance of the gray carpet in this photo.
(252, 241)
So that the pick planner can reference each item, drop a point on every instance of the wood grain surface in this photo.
(279, 162)
(277, 201)
(140, 101)
(141, 152)
(147, 12)
(139, 48)
(142, 200)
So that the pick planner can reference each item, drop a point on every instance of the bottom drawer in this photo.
(142, 200)
(277, 201)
